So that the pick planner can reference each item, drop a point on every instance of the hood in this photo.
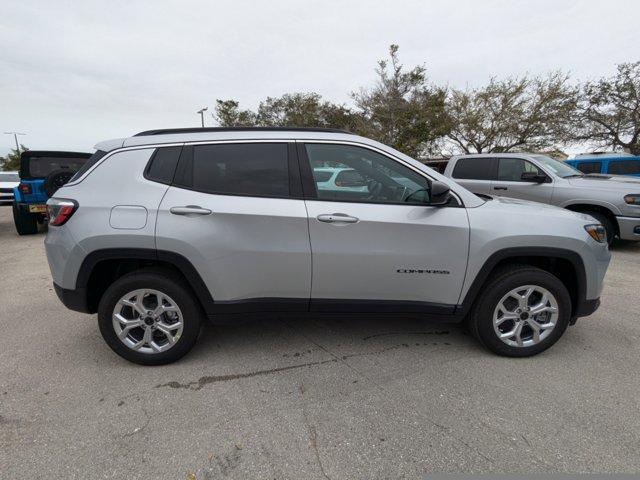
(606, 182)
(532, 209)
(9, 184)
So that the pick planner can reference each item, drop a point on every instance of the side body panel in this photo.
(119, 184)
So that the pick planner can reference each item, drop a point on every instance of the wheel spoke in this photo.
(518, 334)
(127, 324)
(506, 315)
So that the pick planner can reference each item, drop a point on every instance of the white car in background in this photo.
(8, 180)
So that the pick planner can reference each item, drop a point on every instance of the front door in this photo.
(375, 244)
(508, 182)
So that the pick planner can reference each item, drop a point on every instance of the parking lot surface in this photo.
(324, 398)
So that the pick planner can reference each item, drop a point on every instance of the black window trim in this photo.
(295, 186)
(309, 184)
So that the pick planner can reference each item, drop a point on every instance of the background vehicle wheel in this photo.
(25, 222)
(606, 223)
(148, 318)
(521, 312)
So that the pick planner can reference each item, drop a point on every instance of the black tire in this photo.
(26, 223)
(163, 282)
(55, 180)
(480, 321)
(606, 222)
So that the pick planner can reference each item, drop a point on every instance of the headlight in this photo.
(633, 199)
(597, 232)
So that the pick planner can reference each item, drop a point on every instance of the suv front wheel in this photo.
(521, 312)
(148, 318)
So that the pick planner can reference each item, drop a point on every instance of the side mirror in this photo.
(533, 177)
(440, 194)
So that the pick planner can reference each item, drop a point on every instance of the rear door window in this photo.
(474, 169)
(248, 169)
(589, 167)
(624, 167)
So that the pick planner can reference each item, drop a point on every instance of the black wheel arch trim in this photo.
(184, 266)
(518, 252)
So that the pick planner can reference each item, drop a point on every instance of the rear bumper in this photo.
(629, 228)
(584, 309)
(73, 299)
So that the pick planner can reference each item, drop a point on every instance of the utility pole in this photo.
(201, 112)
(15, 137)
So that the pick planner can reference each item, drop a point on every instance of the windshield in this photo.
(561, 169)
(9, 177)
(40, 167)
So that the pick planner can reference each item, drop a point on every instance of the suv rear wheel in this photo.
(521, 312)
(148, 318)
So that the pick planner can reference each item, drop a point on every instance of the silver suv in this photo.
(169, 227)
(613, 200)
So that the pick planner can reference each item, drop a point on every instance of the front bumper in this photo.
(629, 228)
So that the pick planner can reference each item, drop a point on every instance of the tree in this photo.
(12, 160)
(402, 109)
(514, 114)
(289, 110)
(609, 110)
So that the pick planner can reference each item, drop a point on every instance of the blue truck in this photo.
(607, 164)
(41, 174)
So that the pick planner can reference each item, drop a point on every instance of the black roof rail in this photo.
(168, 131)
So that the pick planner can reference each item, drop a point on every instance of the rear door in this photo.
(235, 212)
(475, 173)
(380, 248)
(509, 183)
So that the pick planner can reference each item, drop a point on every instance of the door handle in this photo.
(190, 210)
(337, 218)
(500, 188)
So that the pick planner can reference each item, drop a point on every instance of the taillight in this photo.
(60, 210)
(24, 188)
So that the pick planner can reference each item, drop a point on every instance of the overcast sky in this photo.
(75, 73)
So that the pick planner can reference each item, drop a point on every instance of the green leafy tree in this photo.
(609, 110)
(289, 110)
(12, 160)
(402, 109)
(513, 114)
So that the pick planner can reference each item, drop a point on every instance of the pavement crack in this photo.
(207, 380)
(313, 434)
(139, 429)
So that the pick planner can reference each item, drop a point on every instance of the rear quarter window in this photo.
(162, 165)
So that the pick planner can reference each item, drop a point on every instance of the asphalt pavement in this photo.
(327, 398)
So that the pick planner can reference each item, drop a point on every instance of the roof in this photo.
(167, 131)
